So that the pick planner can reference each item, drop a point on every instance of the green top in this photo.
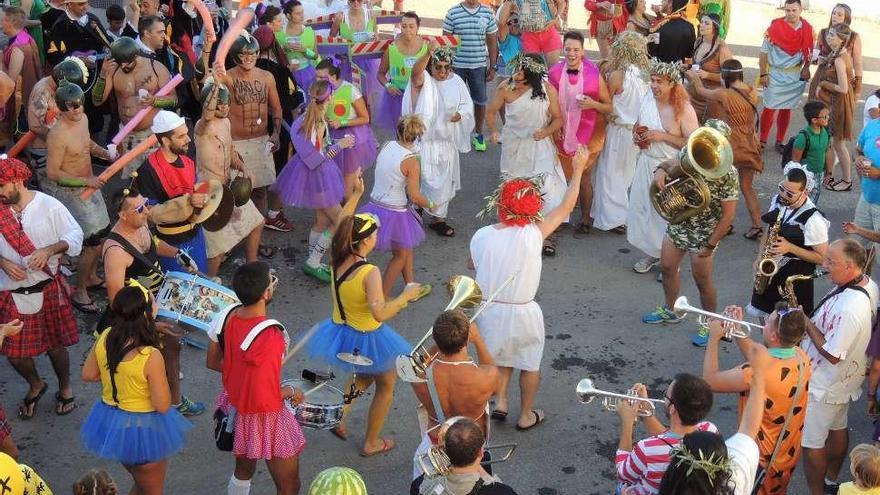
(346, 32)
(400, 65)
(341, 106)
(815, 157)
(308, 42)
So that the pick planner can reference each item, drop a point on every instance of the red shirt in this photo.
(252, 378)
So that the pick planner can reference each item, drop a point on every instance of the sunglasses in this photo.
(442, 67)
(140, 208)
(785, 192)
(72, 105)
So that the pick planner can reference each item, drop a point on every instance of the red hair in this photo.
(519, 203)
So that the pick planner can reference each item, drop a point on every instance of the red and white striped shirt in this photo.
(643, 468)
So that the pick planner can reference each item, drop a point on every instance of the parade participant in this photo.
(300, 44)
(464, 443)
(637, 20)
(639, 467)
(33, 9)
(457, 384)
(672, 38)
(42, 109)
(169, 176)
(7, 87)
(784, 65)
(396, 69)
(509, 36)
(117, 26)
(360, 313)
(74, 31)
(216, 158)
(786, 378)
(265, 427)
(513, 325)
(312, 179)
(811, 146)
(628, 69)
(68, 173)
(395, 193)
(36, 230)
(134, 80)
(442, 99)
(7, 444)
(801, 242)
(582, 100)
(356, 24)
(837, 337)
(20, 478)
(834, 88)
(532, 115)
(348, 115)
(867, 214)
(133, 422)
(538, 21)
(698, 238)
(665, 120)
(710, 52)
(21, 62)
(476, 56)
(607, 19)
(253, 100)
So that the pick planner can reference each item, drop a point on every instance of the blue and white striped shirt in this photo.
(472, 28)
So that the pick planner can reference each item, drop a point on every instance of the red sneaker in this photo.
(279, 223)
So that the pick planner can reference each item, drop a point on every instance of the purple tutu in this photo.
(370, 86)
(297, 185)
(360, 156)
(398, 229)
(386, 114)
(304, 78)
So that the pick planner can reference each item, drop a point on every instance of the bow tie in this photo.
(572, 71)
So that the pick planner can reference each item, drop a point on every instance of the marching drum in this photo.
(322, 407)
(192, 300)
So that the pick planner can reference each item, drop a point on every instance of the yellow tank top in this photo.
(132, 388)
(354, 301)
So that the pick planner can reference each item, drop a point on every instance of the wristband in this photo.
(71, 182)
(98, 90)
(166, 102)
(343, 122)
(388, 84)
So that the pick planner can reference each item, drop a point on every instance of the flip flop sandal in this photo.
(27, 402)
(753, 233)
(442, 229)
(539, 418)
(499, 415)
(386, 447)
(620, 229)
(62, 402)
(88, 308)
(424, 291)
(549, 250)
(836, 186)
(102, 285)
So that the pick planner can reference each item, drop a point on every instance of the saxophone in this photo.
(768, 263)
(786, 290)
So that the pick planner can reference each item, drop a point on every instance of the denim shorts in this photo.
(476, 83)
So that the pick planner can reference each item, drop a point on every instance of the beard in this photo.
(11, 199)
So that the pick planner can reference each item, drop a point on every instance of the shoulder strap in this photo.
(477, 487)
(806, 142)
(215, 331)
(338, 280)
(439, 415)
(258, 329)
(134, 252)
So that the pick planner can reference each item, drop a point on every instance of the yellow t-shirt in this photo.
(132, 388)
(849, 488)
(354, 301)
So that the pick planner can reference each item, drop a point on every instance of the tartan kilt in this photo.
(5, 429)
(54, 326)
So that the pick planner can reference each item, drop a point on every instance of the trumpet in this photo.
(435, 463)
(466, 294)
(586, 392)
(735, 328)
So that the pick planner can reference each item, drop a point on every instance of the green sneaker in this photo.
(478, 142)
(190, 408)
(701, 338)
(321, 272)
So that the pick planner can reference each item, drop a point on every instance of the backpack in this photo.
(789, 147)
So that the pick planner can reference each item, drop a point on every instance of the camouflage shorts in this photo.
(689, 237)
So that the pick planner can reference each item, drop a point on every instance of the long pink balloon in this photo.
(142, 113)
(206, 16)
(243, 19)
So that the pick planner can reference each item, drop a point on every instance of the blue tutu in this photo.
(360, 156)
(382, 346)
(399, 229)
(299, 186)
(133, 438)
(196, 248)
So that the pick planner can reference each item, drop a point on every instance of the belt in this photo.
(34, 289)
(179, 229)
(389, 207)
(796, 68)
(496, 301)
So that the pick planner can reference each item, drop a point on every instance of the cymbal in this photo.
(354, 358)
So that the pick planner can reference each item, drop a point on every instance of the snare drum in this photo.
(192, 300)
(321, 409)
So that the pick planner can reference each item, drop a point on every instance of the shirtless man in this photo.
(253, 99)
(460, 386)
(215, 158)
(68, 173)
(134, 80)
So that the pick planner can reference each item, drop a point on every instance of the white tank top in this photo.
(389, 184)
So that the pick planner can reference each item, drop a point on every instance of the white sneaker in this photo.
(645, 264)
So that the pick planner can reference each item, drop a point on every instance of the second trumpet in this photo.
(586, 392)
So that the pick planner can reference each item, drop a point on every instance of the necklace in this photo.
(454, 363)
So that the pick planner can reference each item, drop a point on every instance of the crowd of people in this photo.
(197, 128)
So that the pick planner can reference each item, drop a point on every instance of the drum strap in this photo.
(258, 329)
(339, 280)
(136, 254)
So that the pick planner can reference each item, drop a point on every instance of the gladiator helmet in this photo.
(245, 43)
(68, 93)
(71, 70)
(222, 93)
(124, 50)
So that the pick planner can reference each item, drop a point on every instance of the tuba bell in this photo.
(707, 155)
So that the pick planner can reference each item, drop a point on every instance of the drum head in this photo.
(222, 214)
(354, 358)
(406, 372)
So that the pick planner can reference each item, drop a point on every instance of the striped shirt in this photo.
(643, 468)
(472, 27)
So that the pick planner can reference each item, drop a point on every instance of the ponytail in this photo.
(341, 247)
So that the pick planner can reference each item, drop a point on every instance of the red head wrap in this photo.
(519, 202)
(13, 170)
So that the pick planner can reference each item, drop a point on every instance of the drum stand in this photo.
(354, 357)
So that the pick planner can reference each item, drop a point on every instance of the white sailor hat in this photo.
(165, 121)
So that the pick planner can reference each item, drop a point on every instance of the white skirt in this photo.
(645, 227)
(514, 334)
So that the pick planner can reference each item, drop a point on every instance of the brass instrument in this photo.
(586, 392)
(734, 330)
(768, 264)
(435, 463)
(466, 294)
(707, 155)
(786, 290)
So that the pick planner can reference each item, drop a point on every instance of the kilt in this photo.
(5, 429)
(54, 326)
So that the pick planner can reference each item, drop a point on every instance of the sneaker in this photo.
(478, 142)
(279, 223)
(662, 315)
(645, 264)
(701, 338)
(190, 408)
(321, 272)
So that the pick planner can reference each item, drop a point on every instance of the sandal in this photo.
(442, 229)
(424, 291)
(549, 249)
(31, 403)
(620, 229)
(539, 418)
(499, 415)
(828, 181)
(582, 230)
(100, 286)
(387, 446)
(266, 251)
(62, 402)
(753, 233)
(836, 186)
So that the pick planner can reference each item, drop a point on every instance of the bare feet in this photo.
(380, 447)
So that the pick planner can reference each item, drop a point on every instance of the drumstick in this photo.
(315, 388)
(299, 345)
